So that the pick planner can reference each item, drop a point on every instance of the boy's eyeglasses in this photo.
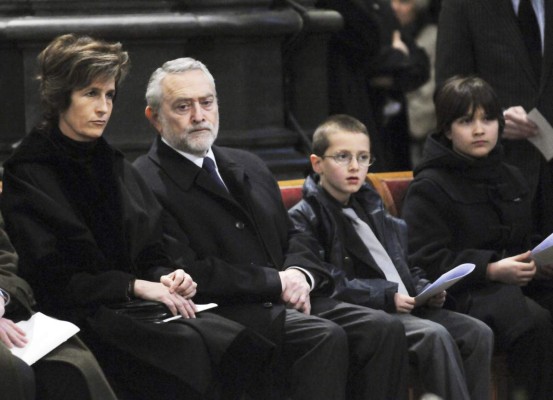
(344, 159)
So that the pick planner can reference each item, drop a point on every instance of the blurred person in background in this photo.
(416, 21)
(371, 66)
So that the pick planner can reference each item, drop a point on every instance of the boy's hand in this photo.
(404, 303)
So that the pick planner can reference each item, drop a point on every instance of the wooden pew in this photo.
(391, 186)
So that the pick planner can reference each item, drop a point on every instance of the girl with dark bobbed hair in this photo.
(88, 233)
(465, 205)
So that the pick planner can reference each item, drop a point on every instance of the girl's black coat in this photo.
(466, 211)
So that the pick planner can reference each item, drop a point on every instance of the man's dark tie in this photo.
(530, 29)
(209, 166)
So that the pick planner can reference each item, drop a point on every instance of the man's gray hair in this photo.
(154, 93)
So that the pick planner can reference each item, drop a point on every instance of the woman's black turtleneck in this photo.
(94, 192)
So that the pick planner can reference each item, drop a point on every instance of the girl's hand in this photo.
(516, 270)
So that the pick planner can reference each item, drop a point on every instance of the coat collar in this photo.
(186, 174)
(232, 173)
(354, 244)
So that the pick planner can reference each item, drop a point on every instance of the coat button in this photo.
(267, 304)
(239, 225)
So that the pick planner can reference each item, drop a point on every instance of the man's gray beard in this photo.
(198, 148)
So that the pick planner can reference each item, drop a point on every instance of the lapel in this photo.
(233, 174)
(184, 173)
(385, 232)
(187, 176)
(357, 249)
(237, 180)
(345, 233)
(502, 12)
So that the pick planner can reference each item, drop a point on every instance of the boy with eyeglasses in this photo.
(364, 248)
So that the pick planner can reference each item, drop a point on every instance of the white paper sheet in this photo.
(543, 252)
(443, 282)
(44, 334)
(544, 140)
(199, 308)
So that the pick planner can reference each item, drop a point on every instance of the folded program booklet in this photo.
(44, 334)
(443, 282)
(544, 140)
(543, 252)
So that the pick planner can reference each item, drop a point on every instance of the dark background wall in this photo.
(268, 59)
